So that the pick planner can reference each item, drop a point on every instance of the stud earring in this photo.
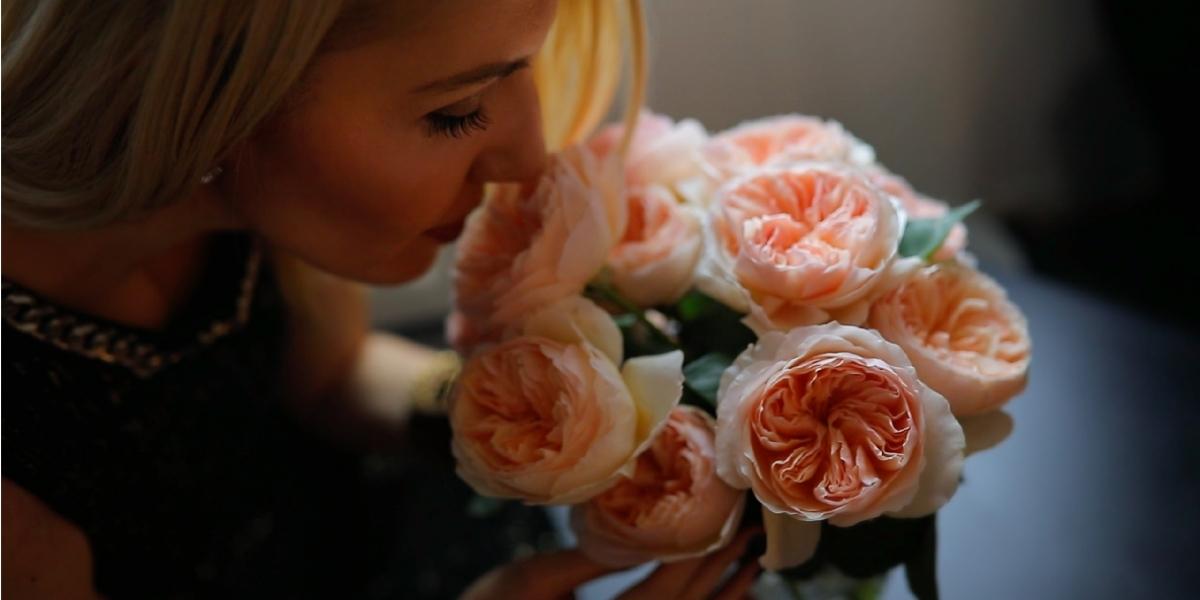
(208, 177)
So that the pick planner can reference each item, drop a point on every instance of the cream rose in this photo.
(661, 152)
(967, 340)
(802, 245)
(920, 207)
(673, 506)
(550, 416)
(780, 140)
(654, 261)
(831, 423)
(526, 248)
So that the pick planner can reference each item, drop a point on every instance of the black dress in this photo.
(172, 452)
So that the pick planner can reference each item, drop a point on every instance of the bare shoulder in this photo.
(44, 555)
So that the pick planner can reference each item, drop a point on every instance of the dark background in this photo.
(1072, 120)
(1128, 118)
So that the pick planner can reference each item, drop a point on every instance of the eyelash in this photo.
(455, 126)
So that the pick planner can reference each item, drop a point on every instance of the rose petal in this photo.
(807, 243)
(714, 272)
(746, 373)
(543, 421)
(660, 151)
(745, 440)
(528, 246)
(783, 139)
(986, 430)
(966, 339)
(655, 259)
(944, 444)
(656, 384)
(577, 320)
(672, 508)
(790, 541)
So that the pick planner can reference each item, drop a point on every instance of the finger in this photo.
(667, 581)
(739, 585)
(548, 576)
(715, 565)
(562, 570)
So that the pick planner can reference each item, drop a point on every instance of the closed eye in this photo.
(456, 126)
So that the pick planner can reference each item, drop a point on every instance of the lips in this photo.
(469, 198)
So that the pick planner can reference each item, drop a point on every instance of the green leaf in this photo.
(921, 567)
(482, 507)
(923, 237)
(873, 547)
(872, 589)
(710, 326)
(646, 339)
(703, 375)
(694, 306)
(626, 320)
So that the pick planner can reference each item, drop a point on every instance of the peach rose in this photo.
(831, 423)
(781, 140)
(966, 339)
(920, 207)
(526, 248)
(654, 261)
(673, 506)
(549, 417)
(802, 245)
(661, 152)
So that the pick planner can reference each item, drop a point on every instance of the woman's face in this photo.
(387, 150)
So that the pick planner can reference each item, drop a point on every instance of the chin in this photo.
(409, 263)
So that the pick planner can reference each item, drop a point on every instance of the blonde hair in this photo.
(579, 68)
(113, 109)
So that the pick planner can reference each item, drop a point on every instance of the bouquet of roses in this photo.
(668, 319)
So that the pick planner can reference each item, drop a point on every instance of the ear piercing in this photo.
(208, 177)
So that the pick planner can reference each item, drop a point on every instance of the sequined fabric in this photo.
(190, 479)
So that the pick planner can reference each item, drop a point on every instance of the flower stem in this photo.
(608, 293)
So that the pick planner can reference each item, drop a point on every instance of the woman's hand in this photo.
(395, 376)
(555, 575)
(345, 381)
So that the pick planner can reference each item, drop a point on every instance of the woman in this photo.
(177, 178)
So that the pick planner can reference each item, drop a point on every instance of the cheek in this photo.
(363, 177)
(355, 204)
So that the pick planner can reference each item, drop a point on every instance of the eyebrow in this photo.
(475, 75)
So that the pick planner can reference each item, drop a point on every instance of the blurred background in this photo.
(1066, 118)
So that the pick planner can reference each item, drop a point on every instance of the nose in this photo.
(517, 151)
(519, 161)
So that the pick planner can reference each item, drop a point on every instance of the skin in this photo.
(349, 178)
(353, 178)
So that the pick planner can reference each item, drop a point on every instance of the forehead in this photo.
(440, 36)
